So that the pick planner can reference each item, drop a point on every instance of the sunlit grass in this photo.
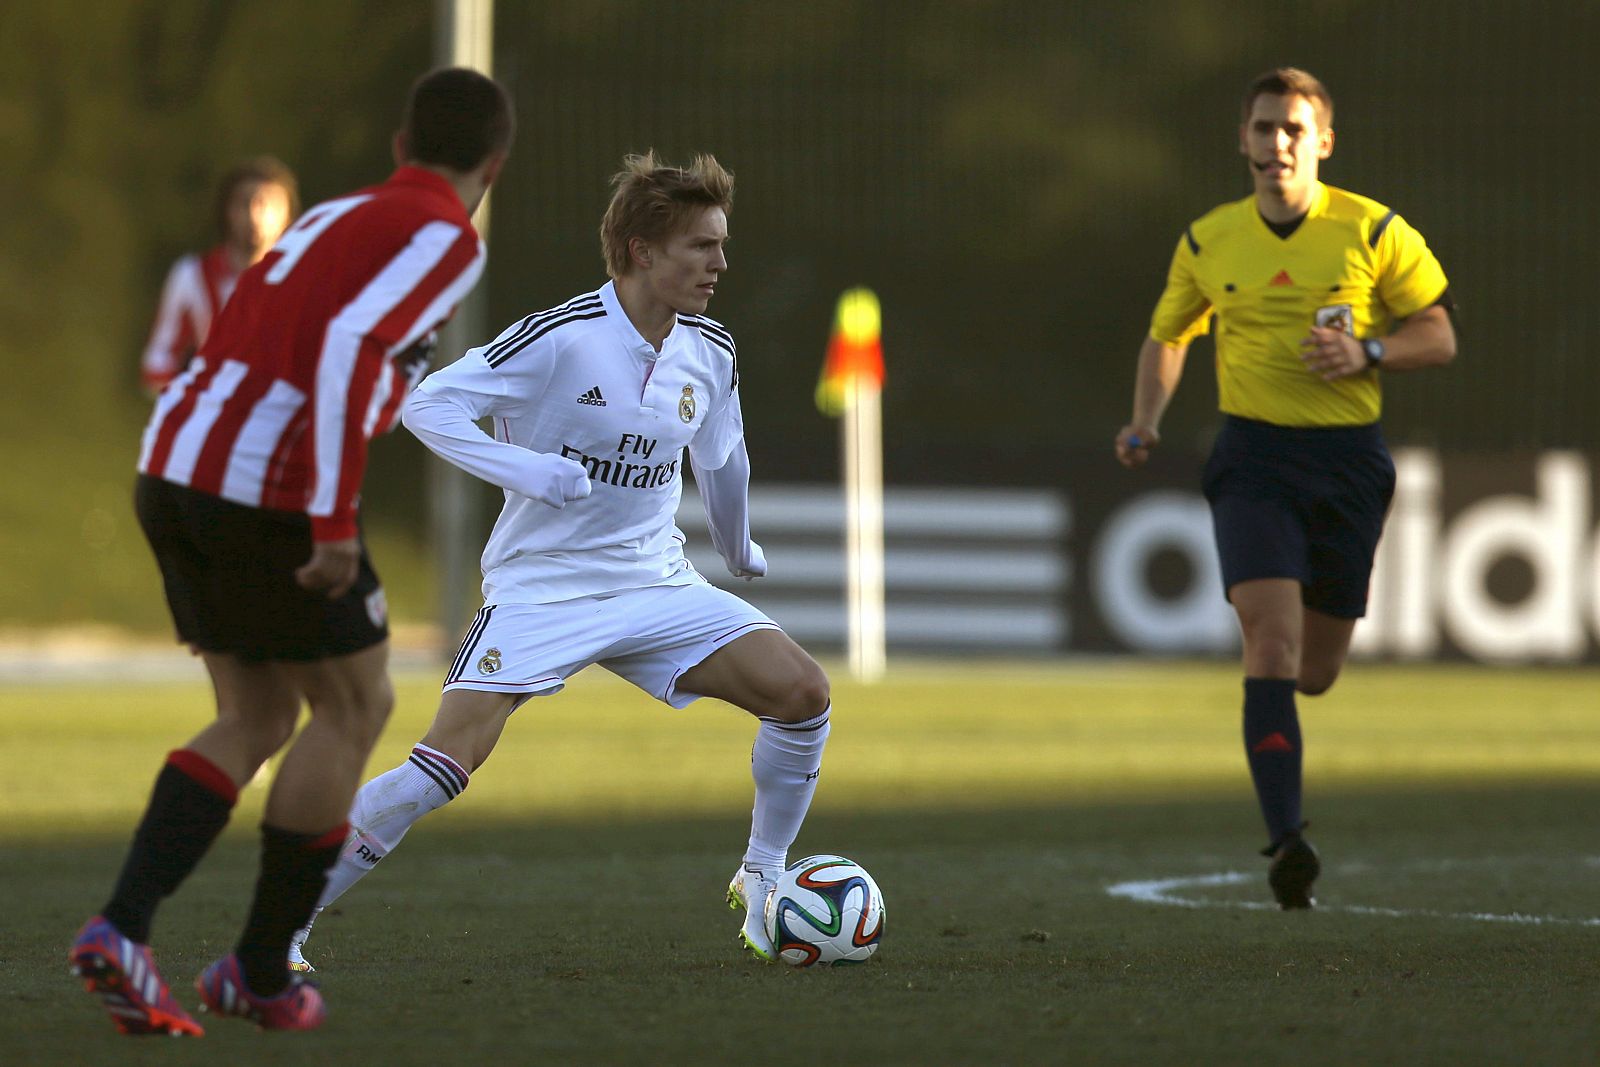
(974, 737)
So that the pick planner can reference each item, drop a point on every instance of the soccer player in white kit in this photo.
(593, 403)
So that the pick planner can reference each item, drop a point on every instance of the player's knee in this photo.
(264, 726)
(1273, 653)
(273, 731)
(795, 694)
(377, 705)
(1314, 681)
(357, 711)
(809, 695)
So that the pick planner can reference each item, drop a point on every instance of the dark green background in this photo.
(1011, 178)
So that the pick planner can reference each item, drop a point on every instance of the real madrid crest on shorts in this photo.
(686, 404)
(490, 662)
(377, 607)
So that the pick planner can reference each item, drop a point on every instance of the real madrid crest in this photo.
(490, 662)
(686, 404)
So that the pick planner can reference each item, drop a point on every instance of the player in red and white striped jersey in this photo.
(249, 477)
(314, 354)
(256, 200)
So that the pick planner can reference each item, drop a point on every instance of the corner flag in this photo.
(855, 352)
(851, 387)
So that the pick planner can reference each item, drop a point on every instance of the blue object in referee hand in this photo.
(1134, 441)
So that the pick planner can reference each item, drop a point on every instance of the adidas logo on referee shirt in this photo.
(593, 397)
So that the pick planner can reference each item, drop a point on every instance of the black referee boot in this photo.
(1294, 867)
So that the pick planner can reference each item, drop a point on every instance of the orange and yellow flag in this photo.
(855, 351)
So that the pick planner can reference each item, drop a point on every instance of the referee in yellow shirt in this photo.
(1315, 293)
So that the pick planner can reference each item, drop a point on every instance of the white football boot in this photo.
(750, 890)
(297, 959)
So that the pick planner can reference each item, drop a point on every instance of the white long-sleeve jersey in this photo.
(576, 391)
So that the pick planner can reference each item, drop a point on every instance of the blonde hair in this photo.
(653, 200)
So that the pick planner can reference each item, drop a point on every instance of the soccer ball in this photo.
(825, 911)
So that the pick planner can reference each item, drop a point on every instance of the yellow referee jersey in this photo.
(1351, 262)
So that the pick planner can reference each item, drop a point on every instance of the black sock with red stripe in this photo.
(188, 808)
(294, 868)
(1272, 745)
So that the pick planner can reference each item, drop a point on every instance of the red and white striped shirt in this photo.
(196, 288)
(314, 354)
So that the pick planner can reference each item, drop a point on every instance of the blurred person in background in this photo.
(255, 202)
(248, 492)
(1316, 293)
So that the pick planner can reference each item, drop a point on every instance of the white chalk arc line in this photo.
(1167, 891)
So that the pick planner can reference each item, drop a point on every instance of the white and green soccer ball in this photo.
(826, 910)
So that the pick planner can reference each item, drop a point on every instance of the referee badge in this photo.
(686, 404)
(490, 662)
(1337, 317)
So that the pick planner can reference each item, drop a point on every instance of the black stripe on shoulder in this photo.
(577, 314)
(719, 341)
(497, 347)
(1377, 231)
(718, 335)
(534, 321)
(586, 300)
(709, 326)
(1194, 246)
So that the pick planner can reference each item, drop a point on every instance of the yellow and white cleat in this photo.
(297, 959)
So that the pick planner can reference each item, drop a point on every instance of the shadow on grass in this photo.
(609, 943)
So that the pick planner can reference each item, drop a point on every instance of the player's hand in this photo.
(560, 481)
(1134, 444)
(413, 362)
(1331, 354)
(332, 569)
(572, 483)
(753, 565)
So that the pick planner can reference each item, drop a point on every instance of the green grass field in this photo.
(568, 908)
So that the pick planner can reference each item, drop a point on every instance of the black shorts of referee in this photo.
(229, 570)
(1300, 503)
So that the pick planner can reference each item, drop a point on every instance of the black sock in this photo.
(294, 870)
(1272, 745)
(188, 808)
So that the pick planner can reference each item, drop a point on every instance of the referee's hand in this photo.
(1332, 354)
(1134, 444)
(332, 569)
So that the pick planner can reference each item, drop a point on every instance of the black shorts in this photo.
(229, 576)
(1306, 504)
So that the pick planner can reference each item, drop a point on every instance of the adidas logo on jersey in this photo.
(593, 397)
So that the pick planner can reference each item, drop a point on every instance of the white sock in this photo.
(784, 762)
(383, 811)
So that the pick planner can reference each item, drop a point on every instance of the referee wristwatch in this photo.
(1373, 347)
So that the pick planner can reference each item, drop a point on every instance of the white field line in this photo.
(1169, 891)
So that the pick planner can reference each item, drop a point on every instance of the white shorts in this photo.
(648, 636)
